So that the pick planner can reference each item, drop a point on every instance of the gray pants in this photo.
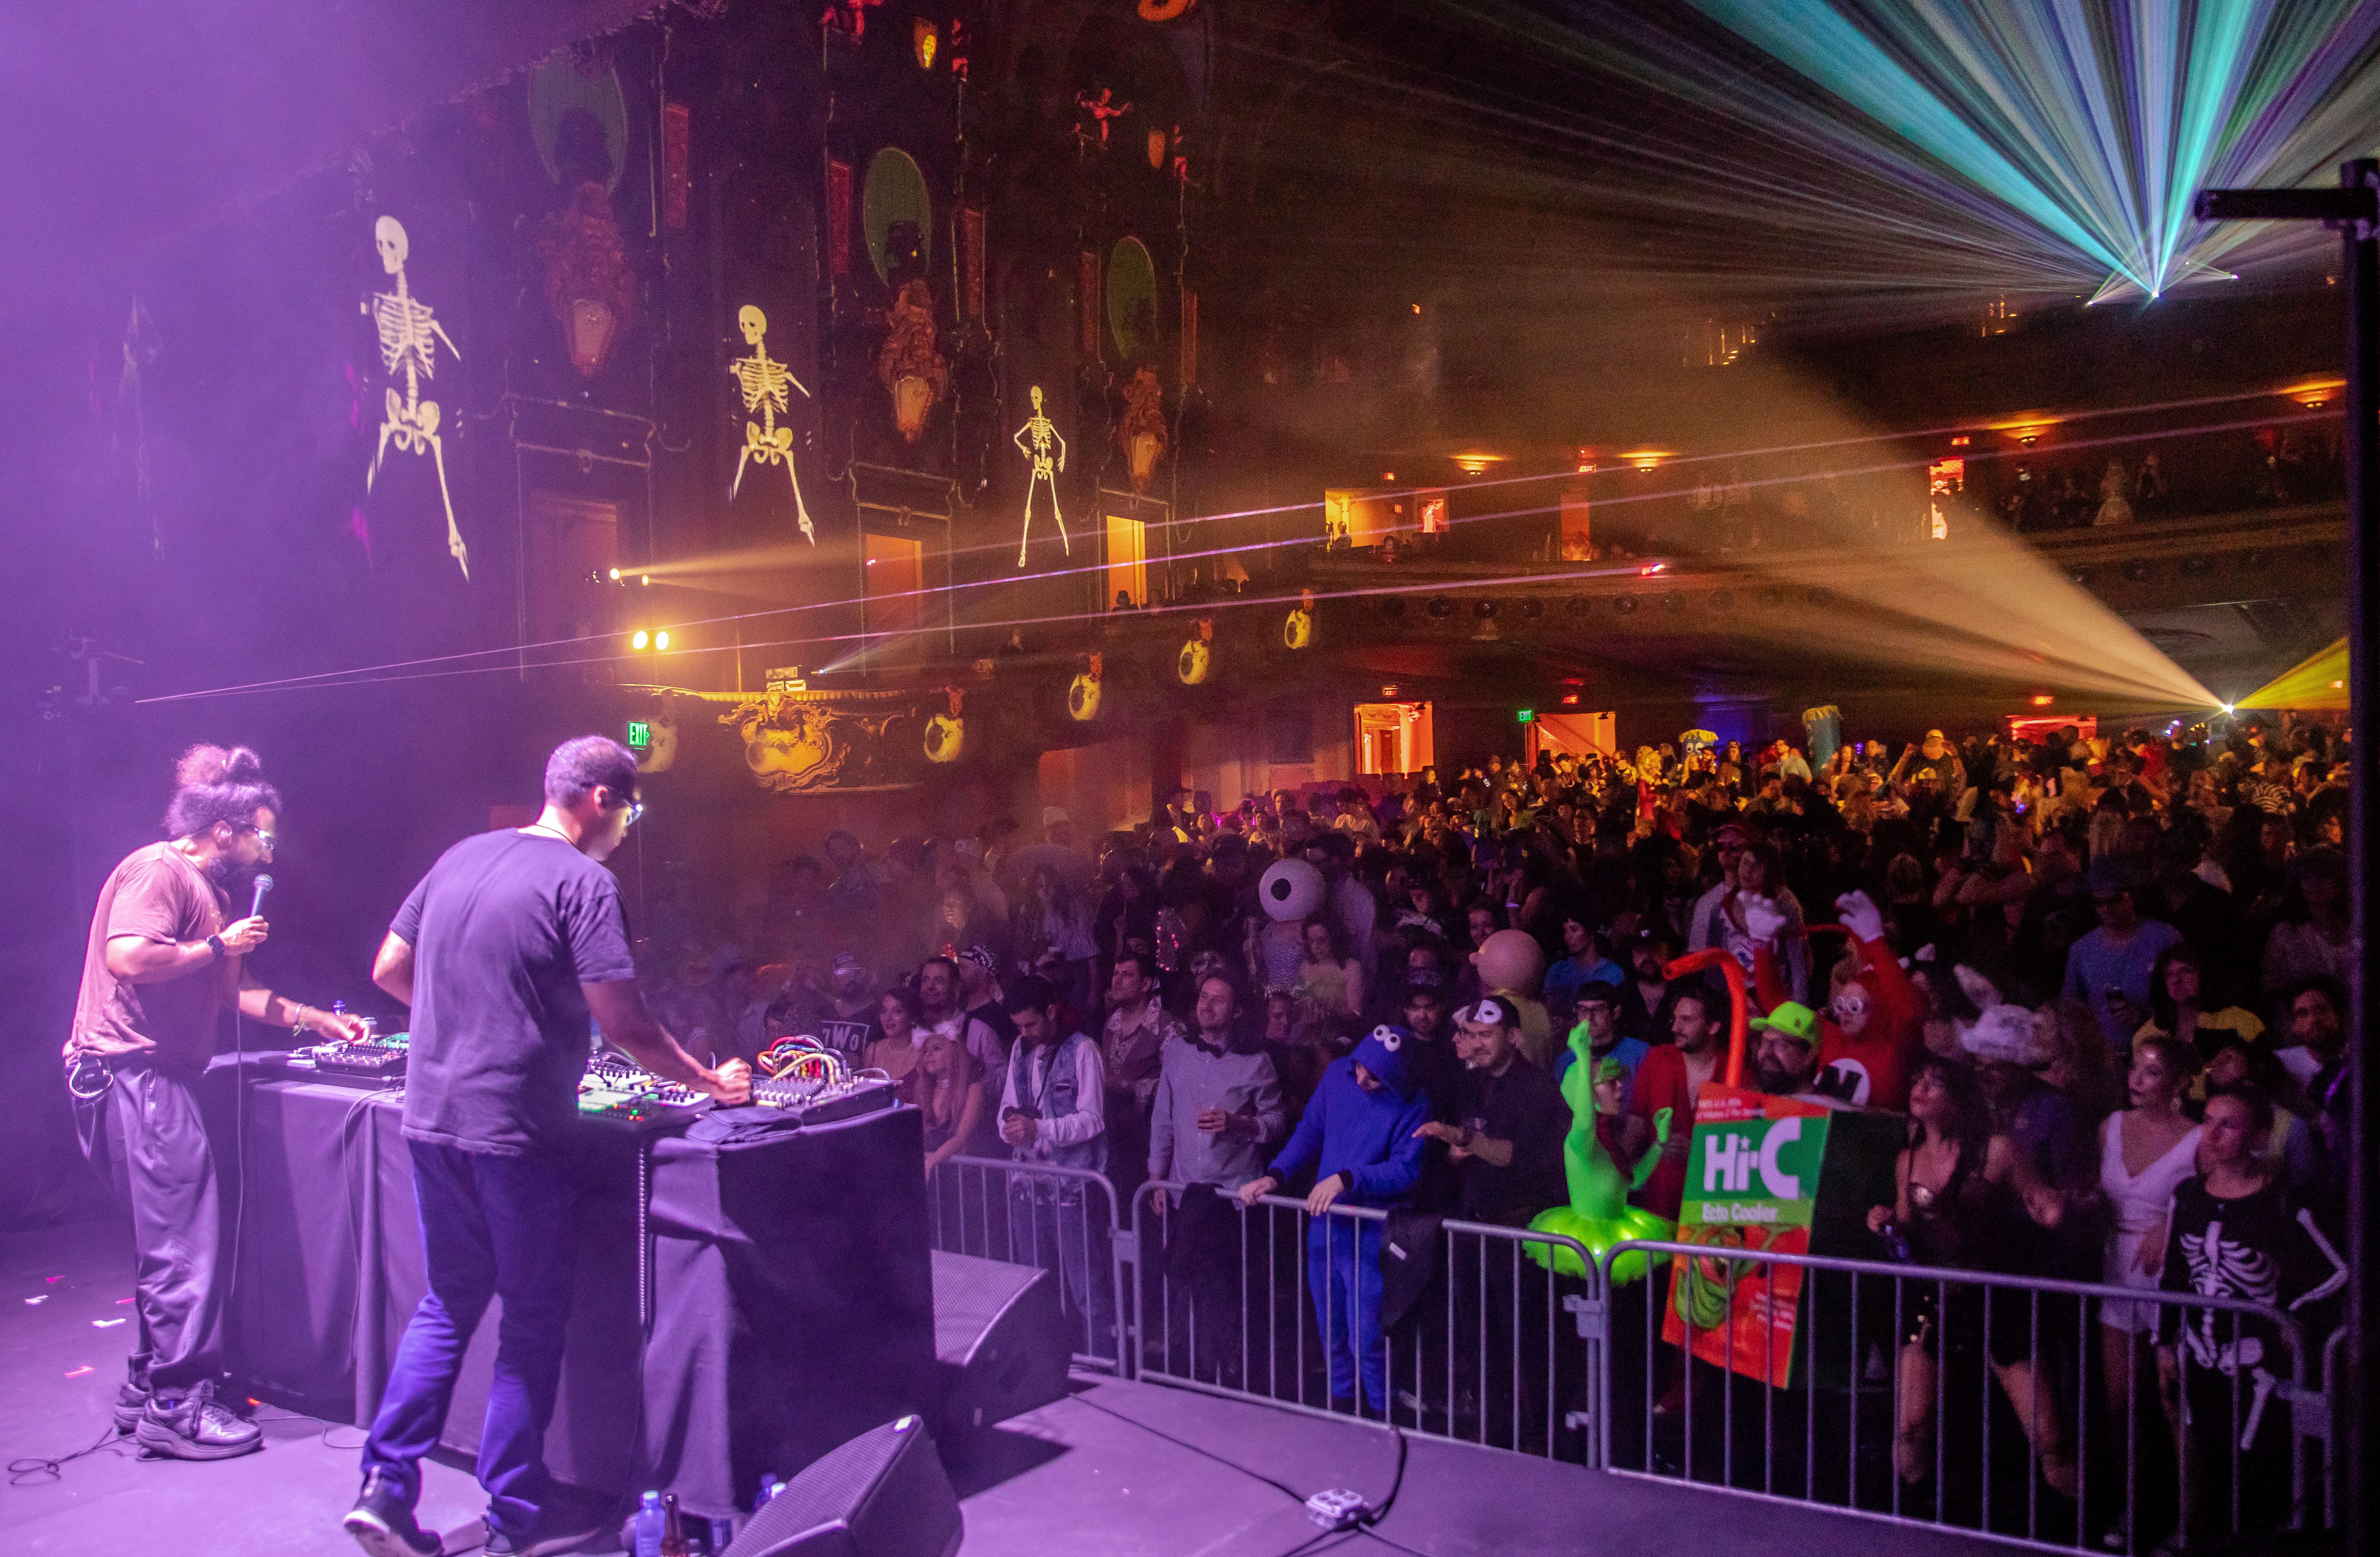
(145, 1137)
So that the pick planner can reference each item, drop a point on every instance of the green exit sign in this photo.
(1525, 716)
(641, 735)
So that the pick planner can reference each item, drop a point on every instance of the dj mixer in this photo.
(370, 1063)
(812, 1101)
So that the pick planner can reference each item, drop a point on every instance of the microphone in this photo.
(263, 885)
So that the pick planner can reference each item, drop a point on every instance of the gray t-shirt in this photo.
(504, 929)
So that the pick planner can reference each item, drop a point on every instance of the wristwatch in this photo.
(215, 944)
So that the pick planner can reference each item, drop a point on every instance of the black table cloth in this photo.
(749, 1295)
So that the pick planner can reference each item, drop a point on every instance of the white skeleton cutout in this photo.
(408, 333)
(765, 382)
(1035, 438)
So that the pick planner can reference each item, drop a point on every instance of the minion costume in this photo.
(1365, 1138)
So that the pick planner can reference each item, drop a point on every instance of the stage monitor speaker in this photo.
(883, 1494)
(1000, 1341)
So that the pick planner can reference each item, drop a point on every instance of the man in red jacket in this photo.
(1874, 1029)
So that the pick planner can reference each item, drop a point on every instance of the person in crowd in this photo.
(901, 1032)
(1331, 977)
(1132, 1052)
(947, 1086)
(2110, 969)
(2235, 1232)
(2145, 1153)
(1645, 996)
(850, 1009)
(980, 992)
(941, 1013)
(1581, 958)
(1359, 1135)
(1947, 1215)
(2313, 938)
(1053, 1112)
(1598, 1009)
(1217, 1101)
(1785, 1056)
(1054, 929)
(2178, 1009)
(1506, 1139)
(1671, 1076)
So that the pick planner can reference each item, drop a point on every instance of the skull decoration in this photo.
(388, 236)
(753, 323)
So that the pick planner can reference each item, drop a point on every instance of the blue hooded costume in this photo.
(1368, 1136)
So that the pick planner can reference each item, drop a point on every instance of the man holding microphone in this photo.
(163, 960)
(506, 950)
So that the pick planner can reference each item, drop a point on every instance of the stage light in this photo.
(639, 639)
(1650, 568)
(1570, 699)
(616, 576)
(645, 579)
(2043, 700)
(2227, 708)
(1440, 607)
(661, 639)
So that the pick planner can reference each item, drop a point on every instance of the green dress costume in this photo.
(1598, 1214)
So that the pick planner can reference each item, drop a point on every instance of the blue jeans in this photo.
(490, 1226)
(1049, 1226)
(1343, 1268)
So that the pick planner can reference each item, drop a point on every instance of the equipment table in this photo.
(750, 1293)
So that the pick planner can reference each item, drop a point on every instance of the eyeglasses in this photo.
(263, 840)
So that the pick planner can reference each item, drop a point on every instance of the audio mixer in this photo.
(368, 1063)
(813, 1101)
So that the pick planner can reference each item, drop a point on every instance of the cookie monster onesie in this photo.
(1360, 1127)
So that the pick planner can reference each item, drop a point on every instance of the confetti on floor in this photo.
(105, 1324)
(78, 1372)
(43, 1299)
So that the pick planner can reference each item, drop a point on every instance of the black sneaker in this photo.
(381, 1520)
(131, 1399)
(193, 1424)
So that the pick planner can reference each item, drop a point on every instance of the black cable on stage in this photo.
(36, 1471)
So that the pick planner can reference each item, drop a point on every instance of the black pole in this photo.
(2362, 279)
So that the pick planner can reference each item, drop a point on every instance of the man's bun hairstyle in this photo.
(214, 783)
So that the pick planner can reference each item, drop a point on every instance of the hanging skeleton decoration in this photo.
(765, 382)
(408, 333)
(1035, 438)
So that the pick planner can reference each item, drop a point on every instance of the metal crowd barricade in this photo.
(1986, 1387)
(1488, 1347)
(1062, 1220)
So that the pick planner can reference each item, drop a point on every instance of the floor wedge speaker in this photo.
(1000, 1342)
(883, 1494)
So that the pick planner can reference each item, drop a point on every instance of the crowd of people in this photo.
(2104, 978)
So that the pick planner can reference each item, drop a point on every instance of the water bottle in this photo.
(646, 1527)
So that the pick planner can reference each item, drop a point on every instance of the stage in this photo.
(1089, 1475)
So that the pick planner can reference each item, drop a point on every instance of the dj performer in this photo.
(503, 952)
(162, 963)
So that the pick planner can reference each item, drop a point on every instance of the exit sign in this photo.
(641, 735)
(1526, 715)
